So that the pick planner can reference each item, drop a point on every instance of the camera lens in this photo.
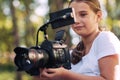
(23, 63)
(38, 57)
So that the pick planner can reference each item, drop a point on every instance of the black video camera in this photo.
(50, 54)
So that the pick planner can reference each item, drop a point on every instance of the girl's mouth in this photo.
(78, 27)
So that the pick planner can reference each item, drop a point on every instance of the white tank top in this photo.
(106, 43)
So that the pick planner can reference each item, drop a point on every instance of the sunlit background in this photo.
(20, 20)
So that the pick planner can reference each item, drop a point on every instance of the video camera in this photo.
(50, 54)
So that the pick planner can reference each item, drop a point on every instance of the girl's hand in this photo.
(53, 73)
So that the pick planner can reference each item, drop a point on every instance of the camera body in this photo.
(50, 54)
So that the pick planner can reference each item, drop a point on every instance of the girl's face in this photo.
(86, 20)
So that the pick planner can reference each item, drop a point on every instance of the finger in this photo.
(51, 70)
(45, 74)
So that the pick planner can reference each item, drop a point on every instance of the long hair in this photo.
(78, 52)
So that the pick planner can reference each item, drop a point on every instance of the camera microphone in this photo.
(67, 15)
(63, 18)
(60, 18)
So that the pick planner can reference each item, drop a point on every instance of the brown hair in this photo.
(79, 50)
(78, 53)
(94, 4)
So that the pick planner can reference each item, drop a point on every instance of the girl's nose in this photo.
(77, 21)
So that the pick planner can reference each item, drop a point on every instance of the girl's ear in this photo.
(99, 16)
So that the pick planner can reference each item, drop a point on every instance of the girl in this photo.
(96, 56)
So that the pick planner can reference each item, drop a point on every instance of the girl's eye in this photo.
(83, 14)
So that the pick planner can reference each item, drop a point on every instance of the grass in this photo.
(8, 72)
(11, 76)
(7, 75)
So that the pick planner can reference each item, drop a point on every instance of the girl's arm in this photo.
(107, 69)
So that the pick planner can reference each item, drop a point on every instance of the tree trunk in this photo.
(55, 5)
(15, 33)
(30, 31)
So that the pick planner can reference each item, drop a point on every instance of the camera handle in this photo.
(45, 26)
(45, 34)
